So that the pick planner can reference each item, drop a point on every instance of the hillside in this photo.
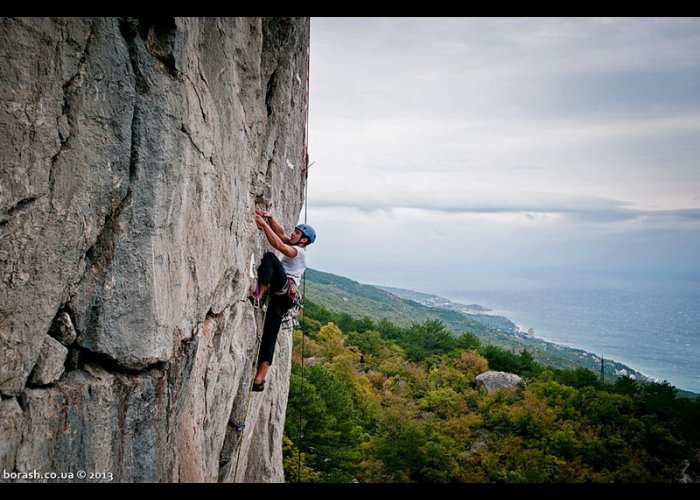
(343, 295)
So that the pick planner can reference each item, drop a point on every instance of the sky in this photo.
(475, 153)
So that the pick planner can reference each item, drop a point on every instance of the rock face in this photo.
(492, 381)
(133, 154)
(50, 364)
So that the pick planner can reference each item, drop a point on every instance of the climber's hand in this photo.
(263, 213)
(259, 219)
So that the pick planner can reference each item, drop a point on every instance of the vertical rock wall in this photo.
(133, 154)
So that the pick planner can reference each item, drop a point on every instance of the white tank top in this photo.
(295, 266)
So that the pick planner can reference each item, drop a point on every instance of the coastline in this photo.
(622, 345)
(507, 322)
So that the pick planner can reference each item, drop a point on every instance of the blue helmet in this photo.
(308, 231)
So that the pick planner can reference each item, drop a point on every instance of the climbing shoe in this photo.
(239, 426)
(258, 387)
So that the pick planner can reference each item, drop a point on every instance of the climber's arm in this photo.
(274, 238)
(274, 225)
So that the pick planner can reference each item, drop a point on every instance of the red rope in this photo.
(303, 286)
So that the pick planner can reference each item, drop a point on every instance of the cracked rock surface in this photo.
(133, 154)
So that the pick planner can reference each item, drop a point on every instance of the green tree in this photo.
(329, 424)
(500, 359)
(401, 448)
(579, 377)
(467, 341)
(427, 339)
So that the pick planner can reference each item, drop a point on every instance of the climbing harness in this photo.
(290, 290)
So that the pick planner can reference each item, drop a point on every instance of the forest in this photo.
(375, 402)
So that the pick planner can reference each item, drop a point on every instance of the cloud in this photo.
(475, 192)
(597, 210)
(497, 144)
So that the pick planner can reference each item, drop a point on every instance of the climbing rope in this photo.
(303, 278)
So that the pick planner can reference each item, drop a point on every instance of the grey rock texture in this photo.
(11, 431)
(492, 381)
(50, 364)
(135, 153)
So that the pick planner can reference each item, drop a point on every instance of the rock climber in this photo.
(280, 278)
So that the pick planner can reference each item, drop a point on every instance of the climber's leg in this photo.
(279, 305)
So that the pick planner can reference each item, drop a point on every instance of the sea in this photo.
(654, 332)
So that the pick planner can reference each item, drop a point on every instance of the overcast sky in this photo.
(466, 154)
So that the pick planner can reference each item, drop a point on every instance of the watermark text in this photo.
(36, 475)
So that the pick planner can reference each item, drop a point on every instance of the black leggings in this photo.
(271, 273)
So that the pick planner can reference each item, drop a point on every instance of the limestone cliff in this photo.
(133, 154)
